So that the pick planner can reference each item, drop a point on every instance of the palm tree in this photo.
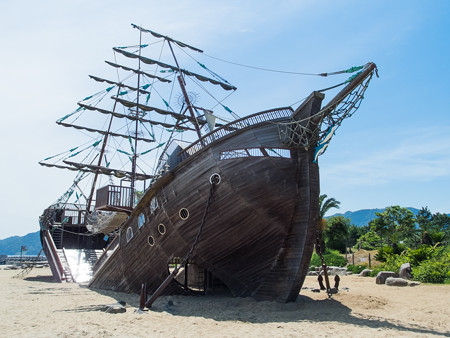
(327, 205)
(324, 205)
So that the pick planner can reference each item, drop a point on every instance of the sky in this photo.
(395, 150)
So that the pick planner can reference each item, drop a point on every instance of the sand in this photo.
(35, 306)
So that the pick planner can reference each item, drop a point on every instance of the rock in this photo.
(333, 291)
(119, 307)
(405, 271)
(348, 273)
(382, 275)
(315, 290)
(344, 288)
(365, 272)
(392, 281)
(414, 283)
(335, 270)
(313, 273)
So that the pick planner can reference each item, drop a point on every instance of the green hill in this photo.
(11, 245)
(363, 217)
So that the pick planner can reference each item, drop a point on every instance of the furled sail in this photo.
(132, 117)
(93, 169)
(157, 35)
(119, 84)
(144, 107)
(103, 132)
(148, 61)
(115, 65)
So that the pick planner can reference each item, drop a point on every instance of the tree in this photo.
(396, 223)
(324, 206)
(336, 233)
(354, 233)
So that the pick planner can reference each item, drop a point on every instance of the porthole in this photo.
(129, 234)
(141, 220)
(161, 229)
(184, 213)
(151, 241)
(215, 179)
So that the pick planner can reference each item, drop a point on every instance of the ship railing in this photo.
(114, 198)
(267, 115)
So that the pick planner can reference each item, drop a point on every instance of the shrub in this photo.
(383, 253)
(431, 272)
(332, 258)
(356, 268)
(377, 269)
(394, 262)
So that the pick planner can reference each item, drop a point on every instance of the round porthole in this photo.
(184, 213)
(161, 229)
(151, 240)
(215, 179)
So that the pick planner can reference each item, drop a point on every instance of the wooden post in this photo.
(370, 262)
(353, 258)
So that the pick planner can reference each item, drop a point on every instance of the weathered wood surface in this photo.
(259, 232)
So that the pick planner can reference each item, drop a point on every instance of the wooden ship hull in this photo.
(260, 220)
(236, 209)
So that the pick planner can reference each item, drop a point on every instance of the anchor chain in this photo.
(324, 264)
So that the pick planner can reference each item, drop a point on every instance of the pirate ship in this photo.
(220, 204)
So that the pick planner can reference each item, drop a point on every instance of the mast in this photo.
(186, 97)
(134, 163)
(102, 151)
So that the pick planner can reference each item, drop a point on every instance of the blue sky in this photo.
(394, 151)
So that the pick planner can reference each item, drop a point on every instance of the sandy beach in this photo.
(35, 306)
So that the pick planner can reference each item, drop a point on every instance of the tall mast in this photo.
(134, 163)
(102, 151)
(186, 97)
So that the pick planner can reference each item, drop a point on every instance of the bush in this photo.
(377, 269)
(332, 258)
(383, 253)
(431, 272)
(356, 268)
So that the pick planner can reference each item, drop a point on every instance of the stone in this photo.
(393, 281)
(382, 275)
(313, 273)
(365, 272)
(405, 271)
(414, 283)
(119, 307)
(333, 291)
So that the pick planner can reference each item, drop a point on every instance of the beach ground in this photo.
(35, 306)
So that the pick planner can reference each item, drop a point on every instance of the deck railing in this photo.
(245, 122)
(114, 198)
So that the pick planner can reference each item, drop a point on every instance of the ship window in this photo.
(153, 205)
(141, 220)
(151, 240)
(274, 152)
(129, 234)
(184, 213)
(161, 229)
(255, 152)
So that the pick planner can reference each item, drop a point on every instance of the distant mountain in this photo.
(11, 245)
(363, 217)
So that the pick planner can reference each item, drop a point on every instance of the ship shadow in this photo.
(224, 307)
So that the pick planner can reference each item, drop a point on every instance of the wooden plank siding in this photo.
(258, 235)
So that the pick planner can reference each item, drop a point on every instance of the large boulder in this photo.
(382, 275)
(392, 281)
(405, 271)
(365, 272)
